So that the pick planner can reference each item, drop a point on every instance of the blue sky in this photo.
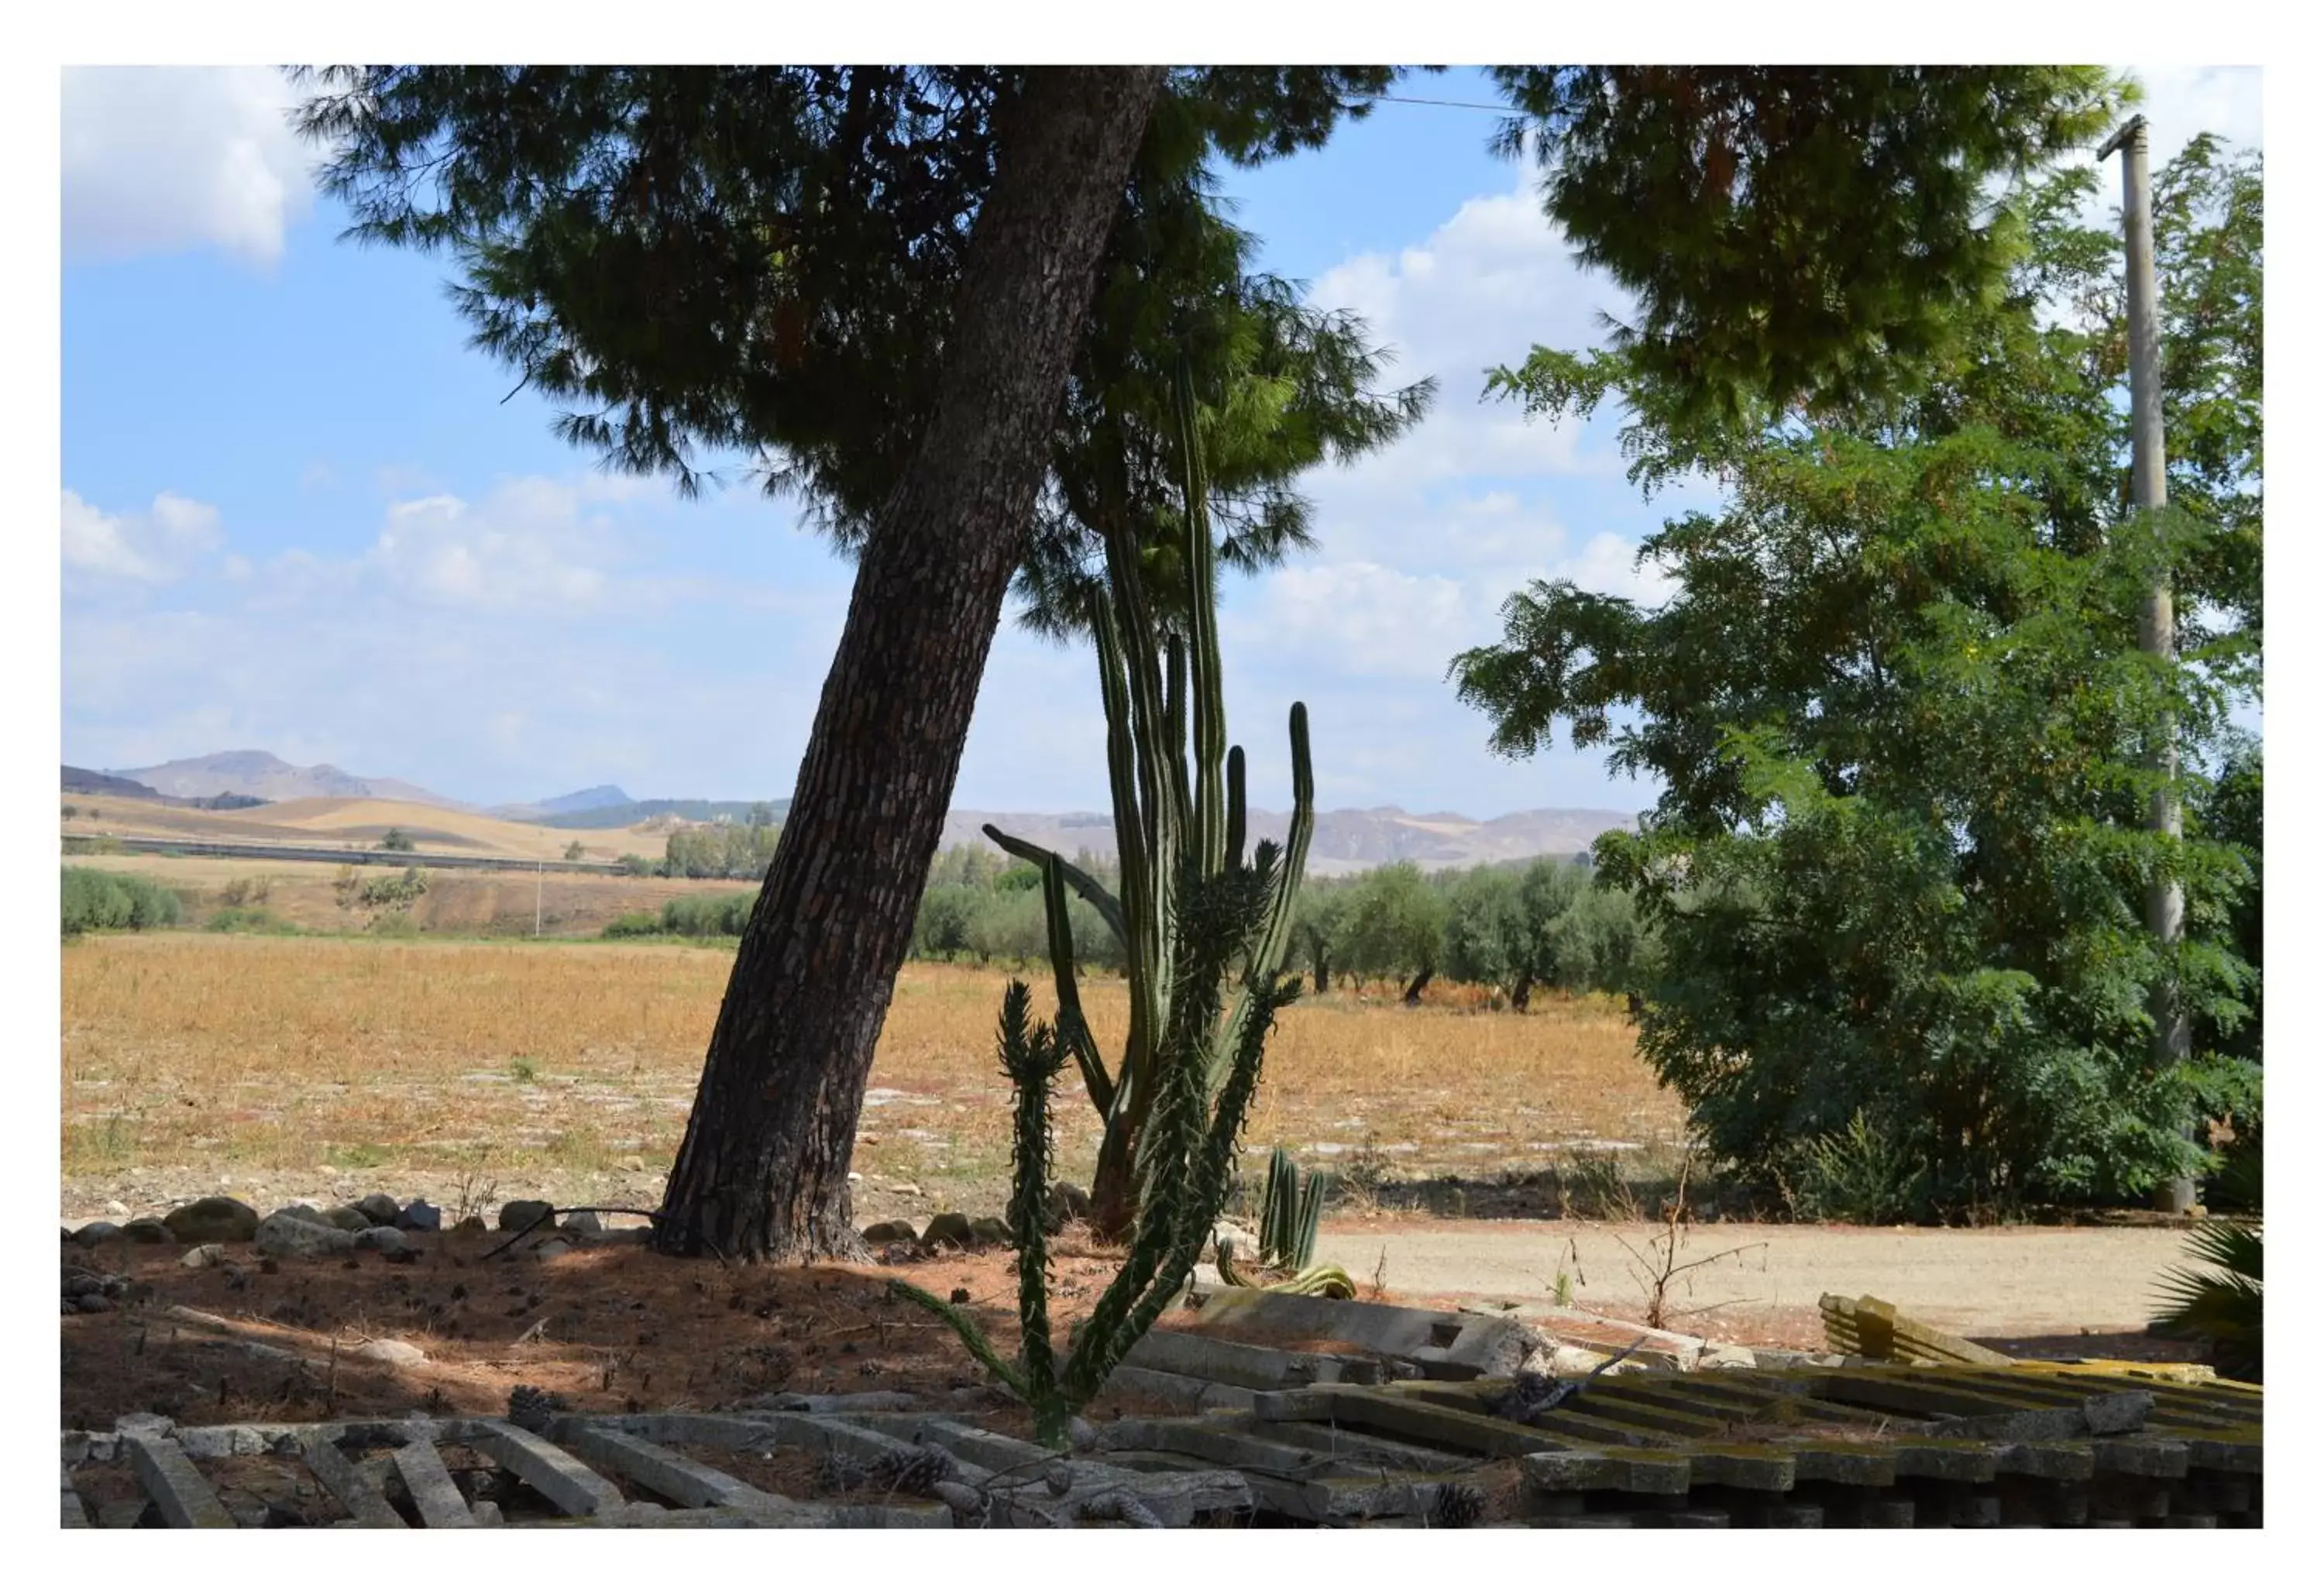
(297, 514)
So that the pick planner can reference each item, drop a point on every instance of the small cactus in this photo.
(1290, 1214)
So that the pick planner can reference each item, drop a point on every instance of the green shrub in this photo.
(705, 916)
(250, 921)
(98, 899)
(636, 923)
(1858, 1175)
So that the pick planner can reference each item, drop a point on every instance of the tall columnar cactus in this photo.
(1180, 829)
(1206, 933)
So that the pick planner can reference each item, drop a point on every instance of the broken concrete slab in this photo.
(437, 1499)
(363, 1499)
(560, 1478)
(665, 1472)
(171, 1479)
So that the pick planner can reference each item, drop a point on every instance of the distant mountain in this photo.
(572, 802)
(94, 783)
(262, 775)
(1346, 840)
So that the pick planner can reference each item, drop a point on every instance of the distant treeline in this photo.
(721, 851)
(100, 899)
(1513, 927)
(702, 811)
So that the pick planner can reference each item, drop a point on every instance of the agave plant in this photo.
(2219, 1298)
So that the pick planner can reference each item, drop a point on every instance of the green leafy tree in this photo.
(573, 853)
(1900, 713)
(1484, 929)
(397, 840)
(1395, 927)
(1321, 931)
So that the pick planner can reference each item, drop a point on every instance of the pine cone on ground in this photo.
(534, 1409)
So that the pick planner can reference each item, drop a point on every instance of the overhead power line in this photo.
(1455, 105)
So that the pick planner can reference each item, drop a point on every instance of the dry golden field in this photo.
(459, 901)
(274, 1065)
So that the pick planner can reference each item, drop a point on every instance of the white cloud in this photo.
(528, 546)
(2183, 101)
(154, 546)
(163, 158)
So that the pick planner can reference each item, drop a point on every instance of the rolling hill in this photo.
(323, 805)
(251, 773)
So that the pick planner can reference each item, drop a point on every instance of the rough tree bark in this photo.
(763, 1171)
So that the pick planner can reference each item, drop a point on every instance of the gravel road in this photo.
(1984, 1281)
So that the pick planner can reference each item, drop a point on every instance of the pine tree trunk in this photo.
(1419, 984)
(763, 1171)
(1521, 999)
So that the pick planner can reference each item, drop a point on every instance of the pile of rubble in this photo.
(1291, 1410)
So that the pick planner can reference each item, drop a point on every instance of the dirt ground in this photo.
(1758, 1284)
(609, 1327)
(616, 1327)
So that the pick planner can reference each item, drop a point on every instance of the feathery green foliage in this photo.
(1794, 235)
(1899, 710)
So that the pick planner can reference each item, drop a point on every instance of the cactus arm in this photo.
(1237, 815)
(1207, 698)
(1275, 938)
(1072, 1027)
(1084, 885)
(1032, 1059)
(970, 1335)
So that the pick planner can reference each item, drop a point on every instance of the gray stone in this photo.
(394, 1352)
(523, 1214)
(96, 1234)
(93, 1303)
(380, 1209)
(473, 1224)
(948, 1229)
(347, 1218)
(203, 1256)
(550, 1251)
(892, 1233)
(1715, 1357)
(388, 1241)
(582, 1224)
(1068, 1203)
(213, 1219)
(991, 1232)
(282, 1235)
(420, 1218)
(147, 1232)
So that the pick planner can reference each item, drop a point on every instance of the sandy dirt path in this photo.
(1986, 1282)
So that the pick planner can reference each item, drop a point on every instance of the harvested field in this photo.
(198, 1062)
(303, 897)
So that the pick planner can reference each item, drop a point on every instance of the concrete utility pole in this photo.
(2166, 903)
(540, 871)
